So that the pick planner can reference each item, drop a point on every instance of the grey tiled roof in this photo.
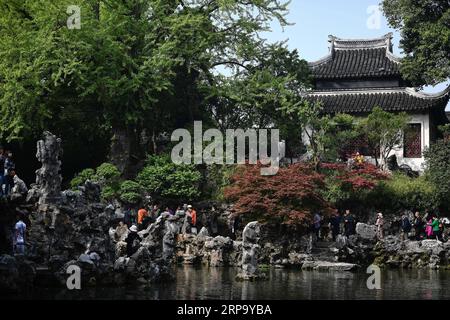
(356, 64)
(357, 58)
(363, 101)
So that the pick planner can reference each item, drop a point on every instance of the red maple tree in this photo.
(358, 177)
(295, 193)
(291, 196)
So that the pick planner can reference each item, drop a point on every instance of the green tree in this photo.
(425, 30)
(438, 169)
(135, 69)
(340, 136)
(315, 126)
(384, 131)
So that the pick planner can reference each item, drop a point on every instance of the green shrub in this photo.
(82, 177)
(438, 170)
(402, 192)
(108, 193)
(106, 175)
(107, 172)
(130, 192)
(217, 178)
(161, 178)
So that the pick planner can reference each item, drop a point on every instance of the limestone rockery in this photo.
(69, 228)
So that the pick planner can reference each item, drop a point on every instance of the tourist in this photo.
(19, 235)
(156, 211)
(134, 216)
(186, 228)
(233, 224)
(212, 221)
(406, 227)
(179, 211)
(316, 225)
(193, 220)
(335, 222)
(121, 230)
(19, 185)
(8, 166)
(418, 226)
(380, 225)
(141, 215)
(435, 225)
(429, 227)
(133, 239)
(2, 169)
(148, 219)
(442, 223)
(127, 217)
(349, 223)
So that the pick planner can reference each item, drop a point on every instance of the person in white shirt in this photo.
(20, 230)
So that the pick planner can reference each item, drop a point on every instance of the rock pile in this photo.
(250, 249)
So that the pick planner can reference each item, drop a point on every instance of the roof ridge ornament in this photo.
(355, 44)
(341, 44)
(416, 92)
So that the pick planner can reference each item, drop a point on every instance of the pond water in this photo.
(219, 283)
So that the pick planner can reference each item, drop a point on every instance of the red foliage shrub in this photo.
(290, 197)
(359, 177)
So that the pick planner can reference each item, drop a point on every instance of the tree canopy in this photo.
(139, 68)
(425, 30)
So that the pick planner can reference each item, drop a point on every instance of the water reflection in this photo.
(219, 283)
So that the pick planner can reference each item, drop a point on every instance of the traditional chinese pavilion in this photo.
(359, 75)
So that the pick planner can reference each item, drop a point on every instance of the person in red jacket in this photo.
(193, 214)
(142, 214)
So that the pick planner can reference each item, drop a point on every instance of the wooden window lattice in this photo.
(412, 145)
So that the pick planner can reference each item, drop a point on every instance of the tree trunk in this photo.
(126, 152)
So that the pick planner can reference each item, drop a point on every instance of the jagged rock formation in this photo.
(392, 252)
(16, 273)
(250, 248)
(210, 251)
(48, 177)
(154, 259)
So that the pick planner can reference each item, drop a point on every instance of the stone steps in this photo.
(322, 252)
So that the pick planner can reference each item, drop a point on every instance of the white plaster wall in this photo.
(417, 164)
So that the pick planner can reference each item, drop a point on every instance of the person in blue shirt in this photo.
(317, 225)
(20, 230)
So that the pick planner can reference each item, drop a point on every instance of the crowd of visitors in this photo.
(338, 224)
(430, 226)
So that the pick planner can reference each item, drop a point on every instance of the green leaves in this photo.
(438, 169)
(384, 131)
(130, 192)
(161, 178)
(107, 175)
(425, 28)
